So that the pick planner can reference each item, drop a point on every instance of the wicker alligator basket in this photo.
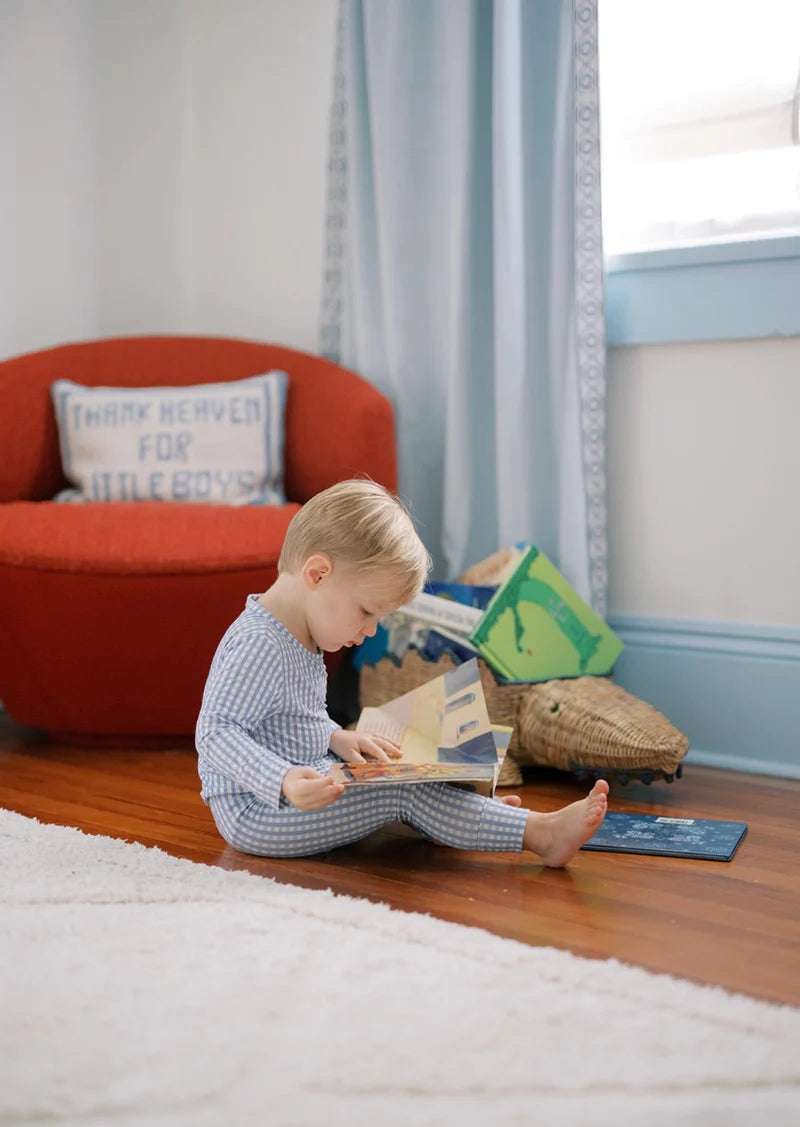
(587, 725)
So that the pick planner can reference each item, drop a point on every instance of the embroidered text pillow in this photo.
(218, 443)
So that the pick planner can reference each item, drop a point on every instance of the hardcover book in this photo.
(701, 838)
(472, 595)
(433, 623)
(538, 628)
(442, 612)
(443, 731)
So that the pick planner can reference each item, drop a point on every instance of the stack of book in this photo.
(515, 610)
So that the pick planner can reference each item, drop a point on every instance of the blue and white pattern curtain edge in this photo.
(558, 464)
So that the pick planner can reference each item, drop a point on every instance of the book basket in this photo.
(587, 725)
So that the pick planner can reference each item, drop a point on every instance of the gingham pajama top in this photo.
(264, 712)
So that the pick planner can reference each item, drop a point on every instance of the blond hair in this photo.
(360, 524)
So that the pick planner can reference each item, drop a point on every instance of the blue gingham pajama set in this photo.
(264, 712)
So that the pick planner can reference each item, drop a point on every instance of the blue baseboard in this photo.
(733, 688)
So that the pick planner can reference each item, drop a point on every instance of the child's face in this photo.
(344, 608)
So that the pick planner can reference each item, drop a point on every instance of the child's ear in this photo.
(316, 568)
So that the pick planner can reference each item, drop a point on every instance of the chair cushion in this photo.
(142, 538)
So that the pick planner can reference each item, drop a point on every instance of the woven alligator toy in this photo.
(587, 725)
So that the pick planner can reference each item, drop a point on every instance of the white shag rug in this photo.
(139, 989)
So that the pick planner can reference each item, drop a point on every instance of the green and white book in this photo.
(537, 627)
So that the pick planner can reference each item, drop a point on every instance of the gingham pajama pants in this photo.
(438, 811)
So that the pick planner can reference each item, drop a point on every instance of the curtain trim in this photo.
(589, 304)
(334, 251)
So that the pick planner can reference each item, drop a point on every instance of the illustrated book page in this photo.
(443, 731)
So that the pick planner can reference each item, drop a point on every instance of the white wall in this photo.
(167, 168)
(167, 173)
(704, 481)
(47, 194)
(262, 83)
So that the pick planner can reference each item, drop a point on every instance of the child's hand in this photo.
(357, 747)
(306, 789)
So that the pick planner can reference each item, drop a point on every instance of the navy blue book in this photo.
(702, 838)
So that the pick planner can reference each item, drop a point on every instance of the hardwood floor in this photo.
(736, 925)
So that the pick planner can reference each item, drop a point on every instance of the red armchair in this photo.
(110, 612)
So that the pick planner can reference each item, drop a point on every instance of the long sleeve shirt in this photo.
(263, 710)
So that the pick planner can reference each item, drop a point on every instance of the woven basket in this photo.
(582, 724)
(591, 723)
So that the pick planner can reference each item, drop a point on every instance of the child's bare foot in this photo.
(557, 837)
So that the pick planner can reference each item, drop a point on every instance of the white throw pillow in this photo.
(219, 443)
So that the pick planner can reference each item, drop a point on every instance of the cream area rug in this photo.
(138, 989)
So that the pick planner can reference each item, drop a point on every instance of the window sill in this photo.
(743, 289)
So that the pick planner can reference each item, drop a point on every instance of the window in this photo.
(700, 125)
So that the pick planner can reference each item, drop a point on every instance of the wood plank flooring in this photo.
(736, 925)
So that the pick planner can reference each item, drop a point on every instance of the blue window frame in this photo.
(725, 291)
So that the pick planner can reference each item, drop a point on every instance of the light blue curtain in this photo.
(463, 271)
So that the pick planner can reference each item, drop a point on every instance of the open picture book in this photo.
(443, 731)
